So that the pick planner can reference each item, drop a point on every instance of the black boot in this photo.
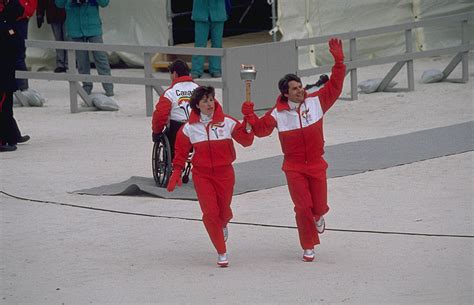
(24, 139)
(7, 147)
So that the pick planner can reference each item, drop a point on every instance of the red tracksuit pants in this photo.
(214, 189)
(309, 194)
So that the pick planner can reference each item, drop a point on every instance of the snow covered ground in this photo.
(52, 251)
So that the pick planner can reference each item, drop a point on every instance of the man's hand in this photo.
(249, 114)
(335, 47)
(174, 179)
(156, 137)
(247, 108)
(39, 20)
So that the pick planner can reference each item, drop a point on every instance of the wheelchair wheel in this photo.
(161, 161)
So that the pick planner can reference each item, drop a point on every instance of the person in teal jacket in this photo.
(209, 17)
(83, 24)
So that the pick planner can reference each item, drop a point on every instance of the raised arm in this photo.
(333, 88)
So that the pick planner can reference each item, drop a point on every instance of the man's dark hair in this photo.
(198, 94)
(180, 67)
(283, 84)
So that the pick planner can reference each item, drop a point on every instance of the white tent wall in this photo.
(123, 22)
(310, 18)
(432, 37)
(145, 23)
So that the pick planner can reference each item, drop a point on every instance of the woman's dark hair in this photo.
(180, 67)
(198, 94)
(283, 84)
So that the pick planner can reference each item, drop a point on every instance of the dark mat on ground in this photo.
(344, 159)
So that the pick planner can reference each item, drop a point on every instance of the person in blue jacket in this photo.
(83, 24)
(209, 17)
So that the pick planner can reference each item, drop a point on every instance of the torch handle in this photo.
(247, 90)
(247, 98)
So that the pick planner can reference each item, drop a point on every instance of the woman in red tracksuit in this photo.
(298, 116)
(209, 132)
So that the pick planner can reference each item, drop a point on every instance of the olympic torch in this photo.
(248, 73)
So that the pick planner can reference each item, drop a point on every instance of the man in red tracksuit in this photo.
(173, 109)
(209, 132)
(298, 116)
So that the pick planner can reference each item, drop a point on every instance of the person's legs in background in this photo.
(171, 134)
(83, 64)
(102, 64)
(201, 35)
(217, 31)
(9, 131)
(59, 31)
(20, 65)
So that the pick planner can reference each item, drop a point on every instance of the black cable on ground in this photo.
(232, 222)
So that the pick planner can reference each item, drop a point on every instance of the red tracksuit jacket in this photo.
(212, 144)
(30, 7)
(301, 130)
(173, 103)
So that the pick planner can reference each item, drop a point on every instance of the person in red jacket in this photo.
(298, 116)
(173, 108)
(210, 132)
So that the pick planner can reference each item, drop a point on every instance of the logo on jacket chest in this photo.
(306, 115)
(218, 129)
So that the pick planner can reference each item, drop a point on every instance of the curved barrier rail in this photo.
(272, 61)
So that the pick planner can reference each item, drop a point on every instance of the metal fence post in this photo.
(410, 71)
(465, 60)
(148, 89)
(353, 56)
(71, 61)
(225, 90)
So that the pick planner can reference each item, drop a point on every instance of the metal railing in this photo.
(352, 62)
(148, 80)
(272, 60)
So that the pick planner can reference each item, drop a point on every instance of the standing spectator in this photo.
(83, 24)
(11, 43)
(209, 17)
(173, 107)
(22, 30)
(55, 17)
(298, 116)
(210, 132)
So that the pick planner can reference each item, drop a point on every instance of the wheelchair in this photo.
(162, 163)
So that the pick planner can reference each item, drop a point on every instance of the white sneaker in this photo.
(308, 255)
(226, 233)
(320, 225)
(222, 260)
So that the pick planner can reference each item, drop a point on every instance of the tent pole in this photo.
(169, 17)
(274, 20)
